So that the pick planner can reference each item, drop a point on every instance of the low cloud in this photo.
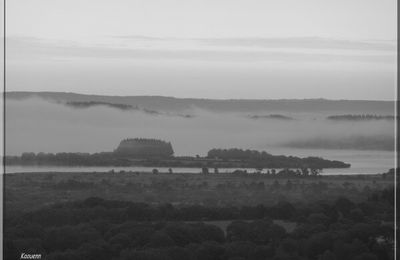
(283, 50)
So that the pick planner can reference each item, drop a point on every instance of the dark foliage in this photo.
(157, 153)
(95, 228)
(272, 116)
(266, 160)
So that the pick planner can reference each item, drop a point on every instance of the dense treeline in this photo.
(271, 116)
(360, 117)
(68, 159)
(144, 148)
(87, 104)
(222, 158)
(101, 229)
(266, 160)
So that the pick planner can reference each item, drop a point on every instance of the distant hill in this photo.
(377, 142)
(360, 117)
(87, 104)
(161, 103)
(272, 116)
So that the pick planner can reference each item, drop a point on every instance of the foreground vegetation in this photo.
(30, 191)
(131, 215)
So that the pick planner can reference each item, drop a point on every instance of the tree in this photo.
(344, 205)
(65, 255)
(317, 244)
(276, 232)
(305, 172)
(259, 168)
(68, 237)
(210, 250)
(288, 248)
(289, 185)
(240, 249)
(160, 239)
(276, 185)
(318, 218)
(10, 251)
(366, 256)
(315, 172)
(284, 210)
(28, 157)
(238, 231)
(209, 232)
(357, 215)
(119, 242)
(328, 255)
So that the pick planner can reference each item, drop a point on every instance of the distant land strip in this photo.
(271, 116)
(377, 143)
(366, 117)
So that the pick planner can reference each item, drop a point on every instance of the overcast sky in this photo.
(338, 49)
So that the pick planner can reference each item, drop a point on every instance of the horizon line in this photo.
(204, 98)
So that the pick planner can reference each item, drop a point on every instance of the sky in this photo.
(335, 49)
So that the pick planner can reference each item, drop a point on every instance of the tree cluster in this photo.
(266, 160)
(157, 156)
(101, 229)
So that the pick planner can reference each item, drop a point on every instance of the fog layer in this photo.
(37, 125)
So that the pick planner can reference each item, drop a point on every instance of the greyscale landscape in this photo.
(152, 177)
(200, 130)
(257, 124)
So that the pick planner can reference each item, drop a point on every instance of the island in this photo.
(144, 148)
(159, 153)
(271, 116)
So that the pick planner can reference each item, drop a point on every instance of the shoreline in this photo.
(211, 175)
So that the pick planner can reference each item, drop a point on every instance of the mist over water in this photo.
(37, 125)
